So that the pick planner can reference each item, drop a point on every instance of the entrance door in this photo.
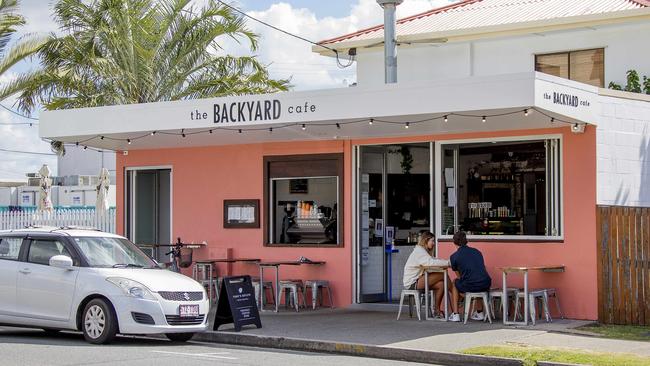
(371, 218)
(148, 214)
(394, 195)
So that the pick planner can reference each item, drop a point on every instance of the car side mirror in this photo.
(61, 261)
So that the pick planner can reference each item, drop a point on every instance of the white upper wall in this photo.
(623, 152)
(626, 47)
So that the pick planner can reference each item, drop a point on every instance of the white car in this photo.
(94, 282)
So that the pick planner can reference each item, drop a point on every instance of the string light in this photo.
(85, 147)
(338, 125)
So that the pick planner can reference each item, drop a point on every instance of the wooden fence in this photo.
(623, 239)
(60, 217)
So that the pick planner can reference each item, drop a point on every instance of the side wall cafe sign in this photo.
(252, 111)
(576, 103)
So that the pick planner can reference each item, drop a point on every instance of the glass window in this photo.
(305, 210)
(303, 196)
(112, 252)
(40, 251)
(587, 66)
(10, 248)
(501, 188)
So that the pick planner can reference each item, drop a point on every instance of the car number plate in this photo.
(186, 311)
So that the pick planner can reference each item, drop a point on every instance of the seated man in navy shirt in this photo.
(470, 270)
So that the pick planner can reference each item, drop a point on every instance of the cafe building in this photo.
(500, 125)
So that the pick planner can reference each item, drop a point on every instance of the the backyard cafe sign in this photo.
(263, 110)
(580, 104)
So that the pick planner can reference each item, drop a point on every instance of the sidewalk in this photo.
(361, 327)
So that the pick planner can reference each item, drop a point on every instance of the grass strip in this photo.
(626, 332)
(532, 354)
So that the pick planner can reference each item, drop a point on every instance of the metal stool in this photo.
(496, 294)
(533, 297)
(202, 273)
(268, 285)
(415, 294)
(551, 292)
(290, 289)
(318, 285)
(469, 296)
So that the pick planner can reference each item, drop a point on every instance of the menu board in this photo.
(237, 303)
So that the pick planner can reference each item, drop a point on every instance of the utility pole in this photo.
(390, 39)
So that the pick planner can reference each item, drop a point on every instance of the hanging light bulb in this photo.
(76, 143)
(210, 131)
(183, 132)
(483, 120)
(128, 141)
(239, 130)
(446, 119)
(525, 112)
(153, 133)
(304, 127)
(406, 125)
(85, 147)
(370, 122)
(552, 120)
(338, 125)
(271, 129)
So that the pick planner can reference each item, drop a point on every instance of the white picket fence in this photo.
(87, 218)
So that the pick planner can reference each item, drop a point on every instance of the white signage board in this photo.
(579, 103)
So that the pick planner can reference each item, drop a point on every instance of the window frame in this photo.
(20, 249)
(337, 159)
(27, 244)
(557, 175)
(568, 53)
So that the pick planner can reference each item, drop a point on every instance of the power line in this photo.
(26, 152)
(18, 114)
(336, 52)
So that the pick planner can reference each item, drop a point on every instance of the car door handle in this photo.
(25, 270)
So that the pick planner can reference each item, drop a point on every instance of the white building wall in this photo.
(78, 161)
(623, 153)
(625, 48)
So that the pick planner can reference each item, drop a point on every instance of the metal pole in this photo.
(390, 45)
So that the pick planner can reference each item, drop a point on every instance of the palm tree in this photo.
(27, 46)
(139, 51)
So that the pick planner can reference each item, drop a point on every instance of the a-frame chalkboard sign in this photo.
(237, 303)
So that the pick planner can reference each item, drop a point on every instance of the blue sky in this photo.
(286, 57)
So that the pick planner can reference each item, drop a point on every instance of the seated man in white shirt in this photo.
(423, 255)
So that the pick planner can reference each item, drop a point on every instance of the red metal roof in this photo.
(479, 13)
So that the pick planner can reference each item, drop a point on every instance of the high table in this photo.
(435, 269)
(276, 265)
(524, 270)
(209, 262)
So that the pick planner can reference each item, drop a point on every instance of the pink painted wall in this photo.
(231, 172)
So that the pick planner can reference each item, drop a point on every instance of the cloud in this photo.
(290, 57)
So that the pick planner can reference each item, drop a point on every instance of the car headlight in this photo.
(132, 288)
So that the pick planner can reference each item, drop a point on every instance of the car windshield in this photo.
(113, 252)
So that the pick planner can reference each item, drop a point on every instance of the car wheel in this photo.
(179, 337)
(99, 323)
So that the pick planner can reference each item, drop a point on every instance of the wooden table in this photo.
(435, 269)
(276, 265)
(524, 270)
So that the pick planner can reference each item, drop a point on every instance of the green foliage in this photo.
(634, 84)
(24, 48)
(137, 51)
(627, 332)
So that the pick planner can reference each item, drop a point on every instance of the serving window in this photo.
(303, 196)
(509, 188)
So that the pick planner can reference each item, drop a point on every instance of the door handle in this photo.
(25, 271)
